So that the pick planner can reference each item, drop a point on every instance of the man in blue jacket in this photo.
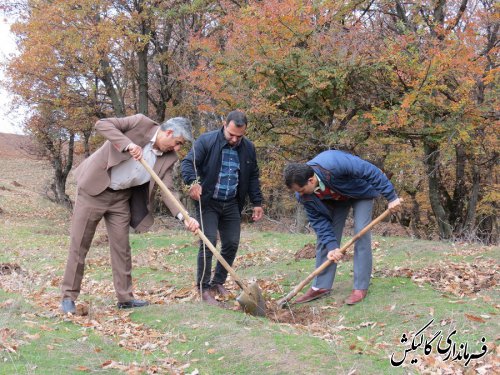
(328, 186)
(221, 170)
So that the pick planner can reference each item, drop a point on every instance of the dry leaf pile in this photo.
(258, 258)
(459, 279)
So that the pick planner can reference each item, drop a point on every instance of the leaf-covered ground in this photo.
(414, 282)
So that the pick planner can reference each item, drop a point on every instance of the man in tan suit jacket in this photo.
(113, 185)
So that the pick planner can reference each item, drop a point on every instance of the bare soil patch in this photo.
(8, 268)
(307, 252)
(16, 146)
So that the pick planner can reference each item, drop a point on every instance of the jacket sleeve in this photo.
(378, 180)
(321, 224)
(113, 128)
(254, 191)
(357, 168)
(188, 170)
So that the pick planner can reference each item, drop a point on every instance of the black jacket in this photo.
(208, 152)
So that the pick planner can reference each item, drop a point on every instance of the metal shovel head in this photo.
(254, 303)
(282, 303)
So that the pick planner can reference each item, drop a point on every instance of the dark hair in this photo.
(298, 174)
(238, 118)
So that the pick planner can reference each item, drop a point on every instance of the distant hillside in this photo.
(16, 146)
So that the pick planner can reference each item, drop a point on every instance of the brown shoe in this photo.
(208, 297)
(312, 294)
(221, 291)
(357, 295)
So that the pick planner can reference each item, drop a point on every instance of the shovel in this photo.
(284, 301)
(250, 299)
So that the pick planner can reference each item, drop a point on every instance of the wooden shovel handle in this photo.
(200, 234)
(328, 262)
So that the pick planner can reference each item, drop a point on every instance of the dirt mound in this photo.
(307, 252)
(8, 268)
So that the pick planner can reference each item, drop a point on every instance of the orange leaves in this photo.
(8, 342)
(475, 318)
(132, 369)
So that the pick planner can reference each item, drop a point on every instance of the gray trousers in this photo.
(362, 212)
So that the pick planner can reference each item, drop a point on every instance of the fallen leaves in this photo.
(118, 329)
(106, 321)
(7, 303)
(258, 258)
(8, 341)
(459, 279)
(131, 369)
(475, 318)
(29, 337)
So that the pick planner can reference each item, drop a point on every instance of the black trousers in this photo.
(225, 218)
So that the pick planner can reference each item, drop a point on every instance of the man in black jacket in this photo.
(221, 171)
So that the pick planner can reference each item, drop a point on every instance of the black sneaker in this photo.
(132, 303)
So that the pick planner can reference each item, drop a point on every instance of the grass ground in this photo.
(415, 282)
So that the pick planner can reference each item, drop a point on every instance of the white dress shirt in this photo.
(130, 172)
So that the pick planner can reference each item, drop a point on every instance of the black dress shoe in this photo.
(132, 303)
(68, 306)
(220, 290)
(208, 297)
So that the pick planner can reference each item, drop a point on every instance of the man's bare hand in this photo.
(257, 214)
(191, 224)
(195, 192)
(135, 151)
(395, 205)
(335, 255)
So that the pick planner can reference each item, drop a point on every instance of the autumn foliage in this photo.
(411, 87)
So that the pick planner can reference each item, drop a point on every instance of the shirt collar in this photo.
(153, 140)
(321, 186)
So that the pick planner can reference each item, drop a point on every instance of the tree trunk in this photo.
(470, 218)
(432, 166)
(301, 219)
(61, 172)
(107, 79)
(487, 228)
(161, 47)
(457, 207)
(142, 57)
(86, 139)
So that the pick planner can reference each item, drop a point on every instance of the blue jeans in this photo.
(225, 218)
(362, 212)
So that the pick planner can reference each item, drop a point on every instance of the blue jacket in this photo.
(348, 175)
(208, 151)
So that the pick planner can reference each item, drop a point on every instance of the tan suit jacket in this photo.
(93, 175)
